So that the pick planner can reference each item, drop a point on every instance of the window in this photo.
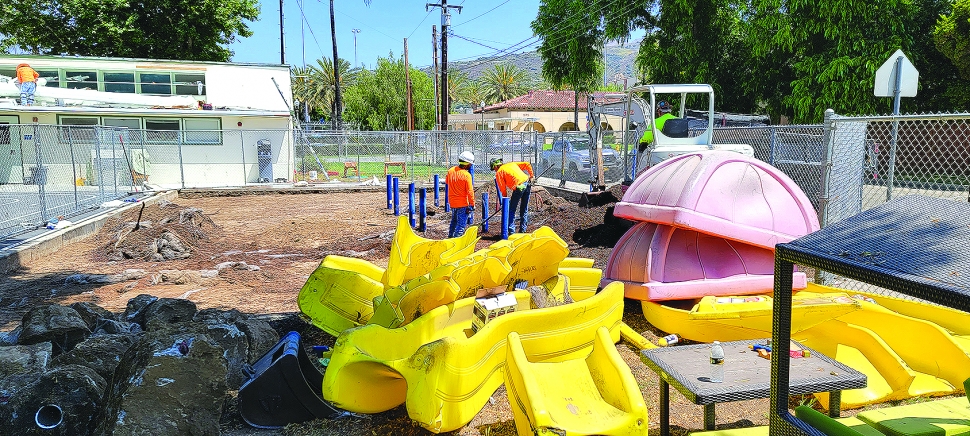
(131, 123)
(81, 79)
(77, 129)
(119, 82)
(53, 78)
(4, 134)
(203, 130)
(162, 131)
(190, 84)
(155, 83)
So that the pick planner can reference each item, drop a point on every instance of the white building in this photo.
(200, 123)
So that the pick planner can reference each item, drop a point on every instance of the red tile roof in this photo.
(541, 100)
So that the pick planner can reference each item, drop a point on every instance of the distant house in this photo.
(540, 111)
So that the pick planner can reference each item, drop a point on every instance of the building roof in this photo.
(20, 57)
(542, 100)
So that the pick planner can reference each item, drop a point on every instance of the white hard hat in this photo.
(466, 156)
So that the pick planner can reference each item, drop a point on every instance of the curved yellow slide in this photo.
(600, 397)
(413, 255)
(443, 372)
(339, 294)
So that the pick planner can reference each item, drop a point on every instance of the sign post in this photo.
(896, 78)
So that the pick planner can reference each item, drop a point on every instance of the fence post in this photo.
(182, 160)
(40, 177)
(114, 164)
(771, 145)
(828, 145)
(447, 205)
(242, 148)
(436, 180)
(485, 211)
(70, 143)
(390, 196)
(505, 218)
(99, 163)
(891, 176)
(397, 203)
(411, 204)
(422, 209)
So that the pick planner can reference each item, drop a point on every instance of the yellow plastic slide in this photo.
(412, 255)
(339, 294)
(443, 372)
(591, 395)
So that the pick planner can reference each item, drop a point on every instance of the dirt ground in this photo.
(287, 236)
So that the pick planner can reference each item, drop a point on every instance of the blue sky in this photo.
(497, 24)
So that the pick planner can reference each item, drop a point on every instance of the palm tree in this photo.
(461, 89)
(338, 104)
(314, 84)
(503, 82)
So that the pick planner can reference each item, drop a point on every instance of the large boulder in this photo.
(24, 359)
(59, 402)
(260, 335)
(168, 311)
(62, 326)
(166, 385)
(135, 309)
(92, 314)
(236, 351)
(112, 327)
(102, 353)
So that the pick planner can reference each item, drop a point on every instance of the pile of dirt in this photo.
(592, 229)
(159, 232)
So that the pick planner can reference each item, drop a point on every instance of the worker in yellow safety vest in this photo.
(662, 115)
(514, 180)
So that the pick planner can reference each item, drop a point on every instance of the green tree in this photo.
(572, 44)
(196, 30)
(502, 82)
(377, 99)
(952, 36)
(462, 90)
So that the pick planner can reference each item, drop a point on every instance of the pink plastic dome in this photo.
(723, 194)
(659, 262)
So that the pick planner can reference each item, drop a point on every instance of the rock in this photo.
(10, 338)
(236, 347)
(134, 311)
(216, 316)
(260, 335)
(101, 353)
(176, 390)
(60, 325)
(64, 399)
(24, 359)
(168, 311)
(91, 313)
(111, 327)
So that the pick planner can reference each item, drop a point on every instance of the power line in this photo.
(473, 42)
(310, 28)
(419, 24)
(480, 15)
(366, 25)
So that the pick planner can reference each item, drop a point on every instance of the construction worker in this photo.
(461, 193)
(514, 179)
(28, 84)
(662, 115)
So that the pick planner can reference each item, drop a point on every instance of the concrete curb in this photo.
(51, 242)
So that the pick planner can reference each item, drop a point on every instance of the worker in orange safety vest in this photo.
(461, 194)
(514, 180)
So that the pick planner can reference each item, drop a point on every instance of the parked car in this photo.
(579, 166)
(510, 146)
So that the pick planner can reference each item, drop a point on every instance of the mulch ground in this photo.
(285, 237)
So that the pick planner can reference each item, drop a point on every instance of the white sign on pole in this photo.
(885, 84)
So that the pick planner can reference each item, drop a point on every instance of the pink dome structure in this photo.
(724, 194)
(660, 262)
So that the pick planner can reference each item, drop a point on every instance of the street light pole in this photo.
(355, 32)
(482, 107)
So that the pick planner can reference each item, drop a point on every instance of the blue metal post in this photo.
(484, 211)
(390, 197)
(505, 217)
(423, 209)
(411, 203)
(447, 205)
(397, 202)
(498, 200)
(435, 190)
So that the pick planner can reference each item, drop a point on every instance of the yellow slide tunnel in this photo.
(443, 372)
(592, 395)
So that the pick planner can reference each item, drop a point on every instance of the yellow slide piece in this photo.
(592, 395)
(534, 257)
(338, 294)
(442, 372)
(412, 255)
(583, 282)
(403, 304)
(576, 262)
(476, 272)
(956, 321)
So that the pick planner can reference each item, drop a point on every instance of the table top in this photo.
(746, 375)
(916, 245)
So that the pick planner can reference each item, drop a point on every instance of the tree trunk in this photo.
(338, 123)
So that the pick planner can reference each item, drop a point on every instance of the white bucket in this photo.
(313, 175)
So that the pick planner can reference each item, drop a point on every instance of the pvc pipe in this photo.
(390, 197)
(447, 205)
(49, 416)
(411, 203)
(505, 217)
(436, 187)
(484, 211)
(423, 209)
(397, 202)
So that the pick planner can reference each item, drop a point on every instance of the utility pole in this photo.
(407, 87)
(434, 51)
(445, 22)
(337, 103)
(282, 44)
(355, 32)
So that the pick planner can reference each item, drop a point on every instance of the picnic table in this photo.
(914, 245)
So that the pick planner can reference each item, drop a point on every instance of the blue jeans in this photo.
(459, 219)
(520, 199)
(27, 93)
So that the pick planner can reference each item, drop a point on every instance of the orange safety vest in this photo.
(511, 175)
(26, 74)
(461, 193)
